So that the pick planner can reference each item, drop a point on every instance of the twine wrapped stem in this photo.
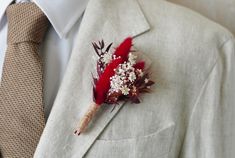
(93, 108)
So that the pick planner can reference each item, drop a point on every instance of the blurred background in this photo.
(221, 11)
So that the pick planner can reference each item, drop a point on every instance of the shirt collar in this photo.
(3, 8)
(62, 14)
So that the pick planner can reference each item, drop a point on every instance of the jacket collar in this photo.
(61, 14)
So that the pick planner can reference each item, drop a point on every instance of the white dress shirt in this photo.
(65, 17)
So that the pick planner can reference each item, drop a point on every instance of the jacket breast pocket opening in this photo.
(154, 145)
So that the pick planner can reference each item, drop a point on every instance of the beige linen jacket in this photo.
(190, 112)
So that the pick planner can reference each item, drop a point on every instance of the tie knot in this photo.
(26, 22)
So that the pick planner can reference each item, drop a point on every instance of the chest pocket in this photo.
(154, 145)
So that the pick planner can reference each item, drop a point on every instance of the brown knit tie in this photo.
(21, 106)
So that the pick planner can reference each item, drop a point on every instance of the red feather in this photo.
(124, 48)
(139, 65)
(103, 84)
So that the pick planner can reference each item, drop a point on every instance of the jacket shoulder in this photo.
(174, 19)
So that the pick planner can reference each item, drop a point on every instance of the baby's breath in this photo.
(124, 76)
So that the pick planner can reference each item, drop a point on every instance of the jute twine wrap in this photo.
(92, 110)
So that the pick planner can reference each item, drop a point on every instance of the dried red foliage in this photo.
(139, 65)
(103, 83)
(124, 48)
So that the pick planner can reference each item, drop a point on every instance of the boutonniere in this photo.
(121, 77)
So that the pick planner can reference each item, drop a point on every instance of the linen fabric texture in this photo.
(190, 112)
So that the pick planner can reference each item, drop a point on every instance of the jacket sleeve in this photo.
(211, 129)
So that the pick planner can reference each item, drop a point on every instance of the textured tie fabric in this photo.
(21, 106)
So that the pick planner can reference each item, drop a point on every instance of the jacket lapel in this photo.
(122, 18)
(111, 20)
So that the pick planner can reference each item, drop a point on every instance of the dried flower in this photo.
(120, 77)
(132, 58)
(146, 80)
(125, 90)
(106, 58)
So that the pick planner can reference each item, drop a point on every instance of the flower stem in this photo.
(93, 108)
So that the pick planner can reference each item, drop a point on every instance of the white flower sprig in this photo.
(125, 76)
